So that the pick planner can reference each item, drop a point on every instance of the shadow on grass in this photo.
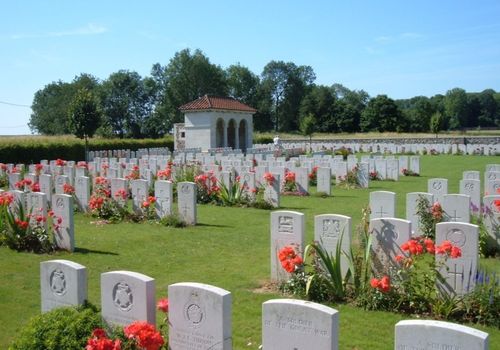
(212, 225)
(87, 251)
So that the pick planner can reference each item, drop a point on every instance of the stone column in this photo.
(236, 137)
(224, 137)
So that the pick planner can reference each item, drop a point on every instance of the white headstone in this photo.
(272, 191)
(46, 186)
(415, 164)
(381, 168)
(438, 187)
(323, 180)
(489, 177)
(456, 207)
(302, 179)
(471, 175)
(60, 181)
(491, 219)
(393, 169)
(364, 175)
(429, 334)
(459, 273)
(82, 192)
(472, 188)
(290, 324)
(387, 237)
(140, 192)
(382, 204)
(64, 234)
(287, 228)
(62, 283)
(403, 164)
(186, 196)
(329, 230)
(37, 207)
(126, 297)
(412, 199)
(340, 170)
(199, 317)
(164, 198)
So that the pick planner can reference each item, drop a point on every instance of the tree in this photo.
(381, 114)
(126, 104)
(320, 102)
(286, 84)
(348, 107)
(489, 108)
(189, 76)
(436, 123)
(456, 108)
(50, 114)
(307, 127)
(84, 116)
(242, 84)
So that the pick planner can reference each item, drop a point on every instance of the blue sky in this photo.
(399, 48)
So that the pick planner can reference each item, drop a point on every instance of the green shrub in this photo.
(262, 139)
(33, 149)
(59, 329)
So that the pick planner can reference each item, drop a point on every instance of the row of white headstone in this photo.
(199, 315)
(416, 146)
(388, 234)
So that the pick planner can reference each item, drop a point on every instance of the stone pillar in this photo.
(236, 136)
(224, 137)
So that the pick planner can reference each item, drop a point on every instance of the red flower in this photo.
(385, 284)
(289, 259)
(35, 187)
(456, 252)
(60, 162)
(145, 204)
(269, 178)
(145, 334)
(99, 341)
(152, 199)
(68, 189)
(399, 258)
(162, 305)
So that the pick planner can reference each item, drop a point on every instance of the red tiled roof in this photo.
(209, 102)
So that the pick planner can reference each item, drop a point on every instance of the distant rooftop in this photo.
(210, 102)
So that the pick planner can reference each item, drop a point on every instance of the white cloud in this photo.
(88, 29)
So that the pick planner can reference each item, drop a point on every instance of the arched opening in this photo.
(231, 134)
(219, 133)
(242, 133)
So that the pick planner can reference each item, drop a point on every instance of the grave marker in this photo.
(382, 204)
(64, 233)
(287, 228)
(387, 237)
(329, 230)
(199, 317)
(429, 334)
(62, 283)
(126, 297)
(187, 202)
(290, 324)
(459, 273)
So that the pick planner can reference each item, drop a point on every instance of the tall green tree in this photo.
(436, 123)
(242, 84)
(490, 108)
(307, 127)
(84, 115)
(381, 114)
(126, 104)
(320, 103)
(456, 108)
(286, 85)
(189, 76)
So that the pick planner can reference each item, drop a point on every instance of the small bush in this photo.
(172, 221)
(59, 329)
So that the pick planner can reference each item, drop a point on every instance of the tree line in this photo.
(127, 105)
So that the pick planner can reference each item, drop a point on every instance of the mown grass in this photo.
(229, 249)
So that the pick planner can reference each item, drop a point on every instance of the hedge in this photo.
(32, 149)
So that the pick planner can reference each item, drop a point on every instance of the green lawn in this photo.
(229, 249)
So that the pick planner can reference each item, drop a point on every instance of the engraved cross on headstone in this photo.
(455, 218)
(455, 274)
(381, 212)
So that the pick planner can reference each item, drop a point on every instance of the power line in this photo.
(14, 104)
